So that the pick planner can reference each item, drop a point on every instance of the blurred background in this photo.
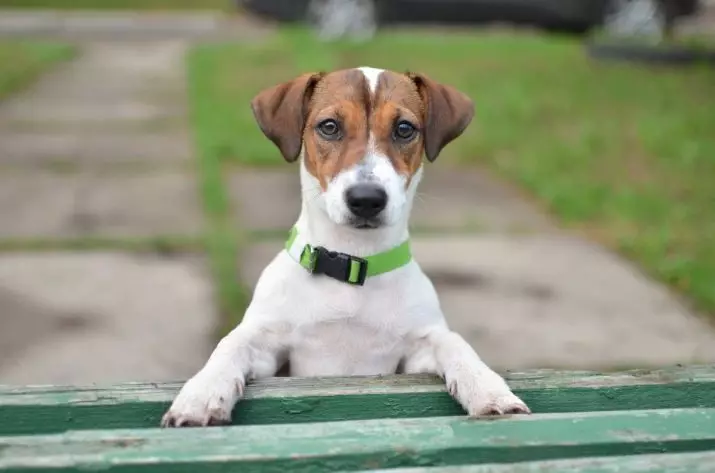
(571, 226)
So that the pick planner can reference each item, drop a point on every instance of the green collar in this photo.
(343, 267)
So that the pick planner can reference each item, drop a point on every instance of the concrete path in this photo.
(128, 25)
(100, 147)
(523, 292)
(103, 317)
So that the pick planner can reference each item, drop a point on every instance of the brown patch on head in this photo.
(396, 100)
(342, 96)
(295, 113)
(367, 119)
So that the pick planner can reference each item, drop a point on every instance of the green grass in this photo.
(624, 153)
(21, 62)
(222, 237)
(120, 4)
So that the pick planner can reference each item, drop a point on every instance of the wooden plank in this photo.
(657, 463)
(48, 409)
(373, 444)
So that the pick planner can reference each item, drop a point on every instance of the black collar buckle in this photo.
(341, 266)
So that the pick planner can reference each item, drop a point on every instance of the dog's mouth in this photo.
(365, 223)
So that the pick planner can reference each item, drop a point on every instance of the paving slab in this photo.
(530, 301)
(265, 199)
(447, 200)
(110, 86)
(132, 25)
(78, 318)
(116, 104)
(57, 205)
(94, 148)
(100, 110)
(454, 199)
(102, 316)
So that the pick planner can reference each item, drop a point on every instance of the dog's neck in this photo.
(319, 230)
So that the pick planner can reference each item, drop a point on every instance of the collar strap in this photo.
(343, 267)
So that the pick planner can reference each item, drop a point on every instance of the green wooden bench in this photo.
(633, 421)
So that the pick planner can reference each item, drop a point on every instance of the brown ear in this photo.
(448, 113)
(281, 111)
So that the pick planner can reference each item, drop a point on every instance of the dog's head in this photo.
(362, 134)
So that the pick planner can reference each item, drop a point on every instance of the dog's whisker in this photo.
(422, 198)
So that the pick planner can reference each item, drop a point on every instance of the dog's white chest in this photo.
(344, 347)
(330, 328)
(337, 329)
(347, 330)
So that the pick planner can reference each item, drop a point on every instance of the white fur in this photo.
(376, 168)
(372, 75)
(329, 328)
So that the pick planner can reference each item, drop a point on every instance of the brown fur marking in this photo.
(289, 115)
(345, 96)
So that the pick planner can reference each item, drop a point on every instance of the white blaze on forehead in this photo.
(371, 75)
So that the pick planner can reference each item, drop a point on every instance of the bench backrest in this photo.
(640, 420)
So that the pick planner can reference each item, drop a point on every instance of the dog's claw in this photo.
(169, 420)
(496, 411)
(491, 411)
(218, 422)
(518, 409)
(497, 405)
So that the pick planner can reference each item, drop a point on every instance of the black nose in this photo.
(366, 200)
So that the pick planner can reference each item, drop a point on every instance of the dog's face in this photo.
(363, 133)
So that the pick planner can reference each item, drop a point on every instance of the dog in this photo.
(345, 297)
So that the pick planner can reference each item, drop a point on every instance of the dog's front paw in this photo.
(203, 402)
(499, 403)
(487, 397)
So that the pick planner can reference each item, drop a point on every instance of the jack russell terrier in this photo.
(345, 296)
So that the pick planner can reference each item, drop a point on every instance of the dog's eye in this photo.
(330, 129)
(405, 131)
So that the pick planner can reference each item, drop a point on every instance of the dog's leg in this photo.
(469, 380)
(249, 351)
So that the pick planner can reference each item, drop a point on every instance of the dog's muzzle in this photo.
(366, 202)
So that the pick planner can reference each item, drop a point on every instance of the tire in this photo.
(630, 18)
(333, 19)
